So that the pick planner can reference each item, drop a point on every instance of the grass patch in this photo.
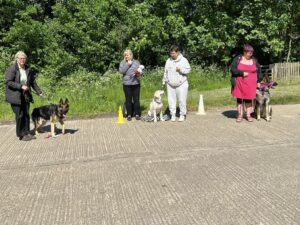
(91, 95)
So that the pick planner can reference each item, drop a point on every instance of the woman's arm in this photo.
(186, 69)
(124, 66)
(258, 71)
(10, 79)
(34, 85)
(164, 80)
(233, 68)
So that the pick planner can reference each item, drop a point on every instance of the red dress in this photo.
(245, 87)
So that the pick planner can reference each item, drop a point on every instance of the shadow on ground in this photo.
(47, 128)
(229, 114)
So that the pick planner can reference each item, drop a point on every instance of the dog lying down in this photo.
(156, 106)
(52, 112)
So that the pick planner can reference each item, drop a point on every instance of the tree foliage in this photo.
(64, 36)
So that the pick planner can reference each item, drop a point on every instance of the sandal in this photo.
(249, 119)
(239, 119)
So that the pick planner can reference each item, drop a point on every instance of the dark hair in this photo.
(174, 48)
(248, 48)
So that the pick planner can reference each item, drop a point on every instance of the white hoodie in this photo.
(171, 76)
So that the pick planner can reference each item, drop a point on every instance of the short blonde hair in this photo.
(128, 51)
(20, 53)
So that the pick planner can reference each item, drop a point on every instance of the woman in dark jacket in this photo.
(19, 79)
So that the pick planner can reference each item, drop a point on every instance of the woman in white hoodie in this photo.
(175, 76)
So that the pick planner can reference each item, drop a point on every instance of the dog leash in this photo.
(45, 96)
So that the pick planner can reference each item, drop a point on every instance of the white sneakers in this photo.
(173, 118)
(181, 118)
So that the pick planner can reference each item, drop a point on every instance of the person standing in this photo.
(19, 79)
(177, 68)
(131, 84)
(246, 76)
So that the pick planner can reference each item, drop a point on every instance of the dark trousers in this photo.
(132, 96)
(22, 118)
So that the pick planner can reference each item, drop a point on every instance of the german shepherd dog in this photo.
(52, 112)
(262, 105)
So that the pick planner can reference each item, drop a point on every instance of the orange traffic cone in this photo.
(120, 116)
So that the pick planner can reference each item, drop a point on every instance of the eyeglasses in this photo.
(21, 58)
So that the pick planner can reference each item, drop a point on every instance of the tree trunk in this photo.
(289, 52)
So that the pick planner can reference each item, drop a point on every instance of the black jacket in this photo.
(14, 90)
(237, 73)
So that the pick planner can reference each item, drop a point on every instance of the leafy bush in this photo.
(61, 37)
(6, 59)
(208, 78)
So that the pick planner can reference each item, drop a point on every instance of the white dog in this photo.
(141, 69)
(156, 105)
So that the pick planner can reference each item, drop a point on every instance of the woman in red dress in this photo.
(246, 76)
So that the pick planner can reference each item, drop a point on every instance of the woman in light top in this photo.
(129, 67)
(175, 76)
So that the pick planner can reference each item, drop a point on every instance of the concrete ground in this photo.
(208, 170)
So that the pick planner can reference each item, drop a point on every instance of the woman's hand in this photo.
(245, 74)
(25, 88)
(129, 62)
(138, 73)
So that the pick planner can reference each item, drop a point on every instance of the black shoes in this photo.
(137, 117)
(27, 137)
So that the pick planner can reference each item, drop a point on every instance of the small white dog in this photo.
(141, 69)
(156, 105)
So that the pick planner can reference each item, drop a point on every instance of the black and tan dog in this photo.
(54, 113)
(263, 107)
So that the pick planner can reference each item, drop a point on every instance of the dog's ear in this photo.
(61, 101)
(67, 101)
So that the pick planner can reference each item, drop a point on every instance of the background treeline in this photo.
(76, 45)
(63, 36)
